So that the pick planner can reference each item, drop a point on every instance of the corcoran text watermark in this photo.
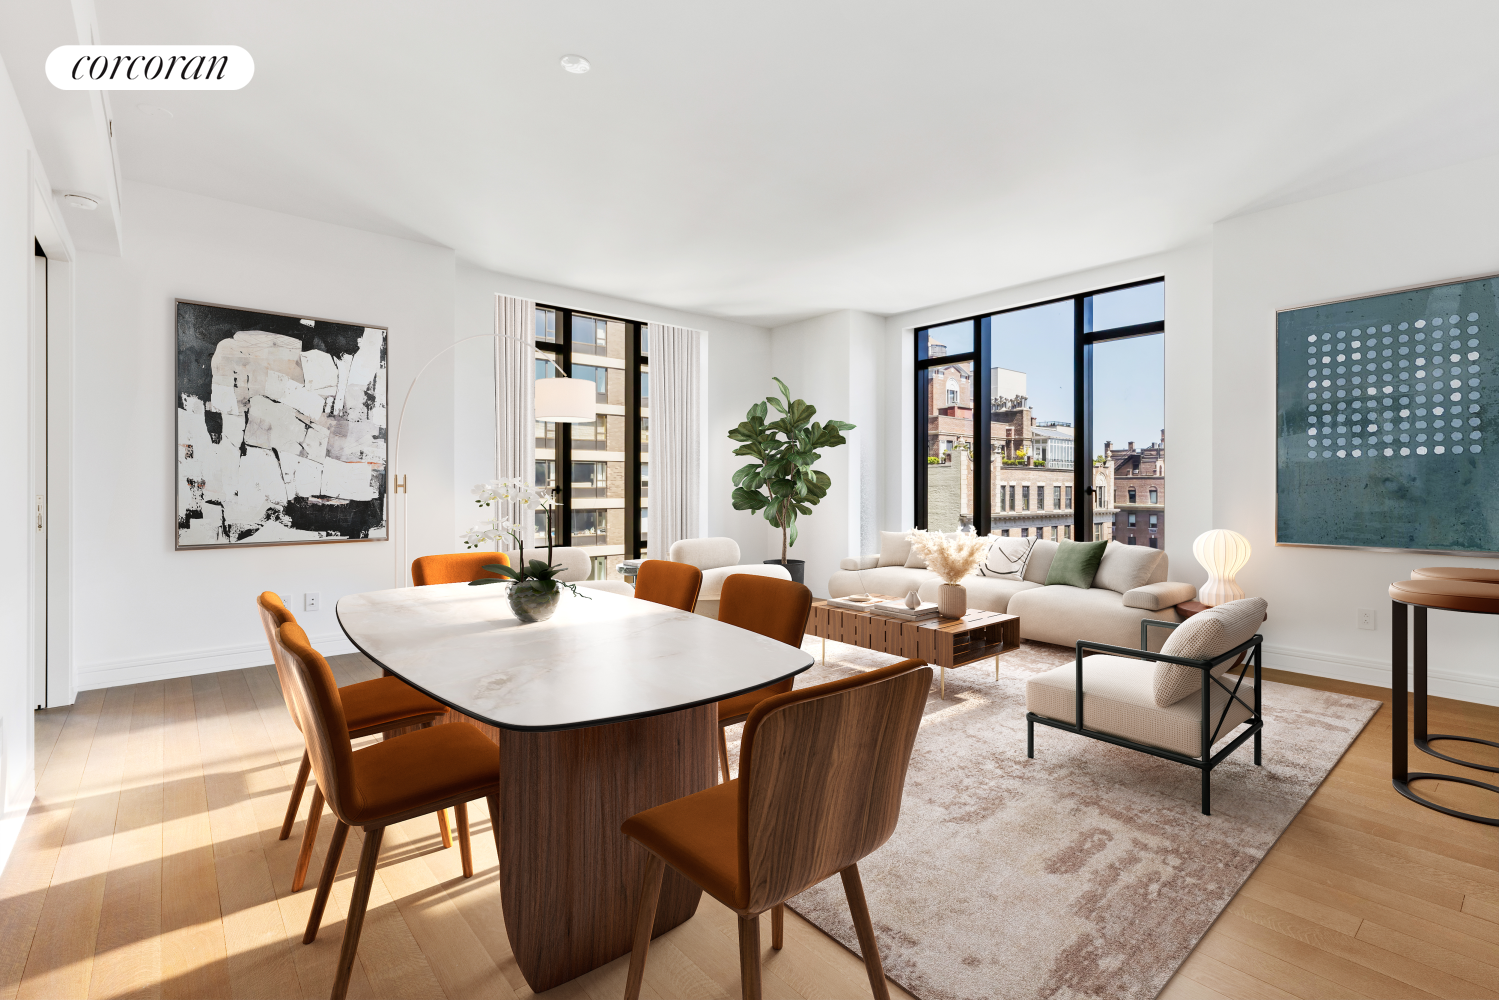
(149, 67)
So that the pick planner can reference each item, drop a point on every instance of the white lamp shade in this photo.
(565, 400)
(1222, 553)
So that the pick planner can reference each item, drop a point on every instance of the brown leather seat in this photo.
(1448, 594)
(673, 584)
(774, 608)
(819, 788)
(376, 707)
(398, 779)
(1468, 573)
(456, 567)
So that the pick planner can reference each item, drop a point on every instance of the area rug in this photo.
(1086, 872)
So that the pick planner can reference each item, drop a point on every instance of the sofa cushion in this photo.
(1118, 699)
(1039, 563)
(1159, 596)
(1007, 558)
(1063, 615)
(984, 593)
(895, 548)
(1125, 567)
(1075, 564)
(894, 581)
(1205, 635)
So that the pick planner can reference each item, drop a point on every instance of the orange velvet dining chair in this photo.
(819, 788)
(673, 584)
(376, 786)
(774, 608)
(381, 706)
(456, 567)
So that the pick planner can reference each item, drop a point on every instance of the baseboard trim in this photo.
(190, 662)
(1440, 683)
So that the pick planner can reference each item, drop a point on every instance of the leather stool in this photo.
(1447, 588)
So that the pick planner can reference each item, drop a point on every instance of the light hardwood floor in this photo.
(149, 866)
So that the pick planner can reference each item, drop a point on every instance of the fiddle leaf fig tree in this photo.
(781, 481)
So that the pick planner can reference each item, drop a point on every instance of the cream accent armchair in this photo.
(718, 558)
(577, 567)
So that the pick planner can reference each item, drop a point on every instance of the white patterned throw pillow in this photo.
(1007, 558)
(1202, 637)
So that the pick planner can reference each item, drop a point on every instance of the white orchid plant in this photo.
(951, 557)
(539, 576)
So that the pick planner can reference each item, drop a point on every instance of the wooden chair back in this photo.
(673, 584)
(767, 605)
(320, 713)
(456, 567)
(821, 776)
(273, 615)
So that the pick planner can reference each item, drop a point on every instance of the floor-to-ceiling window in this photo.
(1029, 420)
(602, 464)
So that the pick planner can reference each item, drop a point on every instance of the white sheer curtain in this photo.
(515, 391)
(675, 443)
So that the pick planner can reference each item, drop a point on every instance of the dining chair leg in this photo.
(363, 882)
(645, 919)
(494, 819)
(309, 840)
(778, 926)
(723, 752)
(296, 795)
(325, 883)
(749, 957)
(442, 826)
(864, 927)
(465, 849)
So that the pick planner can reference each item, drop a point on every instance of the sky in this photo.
(1129, 387)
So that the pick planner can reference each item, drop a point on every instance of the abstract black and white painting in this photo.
(281, 428)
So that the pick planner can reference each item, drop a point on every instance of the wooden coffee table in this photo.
(942, 642)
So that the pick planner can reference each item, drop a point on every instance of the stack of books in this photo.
(897, 609)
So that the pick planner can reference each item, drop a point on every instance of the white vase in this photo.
(952, 600)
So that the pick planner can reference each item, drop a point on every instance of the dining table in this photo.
(607, 708)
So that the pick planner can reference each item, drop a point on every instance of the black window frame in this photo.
(561, 352)
(1083, 340)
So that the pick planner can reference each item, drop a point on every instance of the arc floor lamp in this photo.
(562, 400)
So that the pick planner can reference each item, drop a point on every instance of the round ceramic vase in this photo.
(952, 600)
(530, 604)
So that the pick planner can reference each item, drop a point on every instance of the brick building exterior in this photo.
(1139, 490)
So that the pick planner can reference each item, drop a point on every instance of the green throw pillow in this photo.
(1075, 564)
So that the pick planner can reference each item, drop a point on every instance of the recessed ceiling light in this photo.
(82, 201)
(575, 64)
(153, 111)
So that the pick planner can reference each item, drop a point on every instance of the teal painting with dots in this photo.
(1383, 420)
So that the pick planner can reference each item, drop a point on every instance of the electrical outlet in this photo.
(1366, 619)
(286, 600)
(310, 603)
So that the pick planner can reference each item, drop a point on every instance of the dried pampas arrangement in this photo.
(951, 557)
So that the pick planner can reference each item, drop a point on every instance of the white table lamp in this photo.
(1222, 553)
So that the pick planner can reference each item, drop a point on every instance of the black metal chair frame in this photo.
(1208, 760)
(1401, 677)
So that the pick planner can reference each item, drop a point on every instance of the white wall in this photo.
(17, 697)
(142, 610)
(1189, 402)
(834, 363)
(1431, 227)
(736, 358)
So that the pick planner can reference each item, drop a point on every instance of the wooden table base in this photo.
(569, 880)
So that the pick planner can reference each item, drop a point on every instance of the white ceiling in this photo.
(781, 158)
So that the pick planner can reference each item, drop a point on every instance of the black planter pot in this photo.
(796, 567)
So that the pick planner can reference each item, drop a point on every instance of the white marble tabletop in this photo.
(604, 658)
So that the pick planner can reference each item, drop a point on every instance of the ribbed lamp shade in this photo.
(566, 400)
(1222, 553)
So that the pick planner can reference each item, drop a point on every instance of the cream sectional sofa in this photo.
(1057, 614)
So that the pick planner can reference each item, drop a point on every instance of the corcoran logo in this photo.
(149, 67)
